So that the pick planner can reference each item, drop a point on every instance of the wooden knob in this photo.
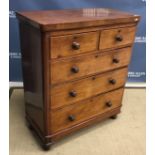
(119, 38)
(109, 104)
(75, 45)
(71, 117)
(115, 60)
(73, 93)
(112, 81)
(74, 69)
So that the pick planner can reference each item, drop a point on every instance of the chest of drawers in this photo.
(75, 65)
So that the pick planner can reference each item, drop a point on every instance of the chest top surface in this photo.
(76, 18)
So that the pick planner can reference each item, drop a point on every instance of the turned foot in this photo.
(46, 147)
(113, 117)
(30, 126)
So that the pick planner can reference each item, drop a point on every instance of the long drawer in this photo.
(94, 63)
(71, 92)
(76, 113)
(74, 44)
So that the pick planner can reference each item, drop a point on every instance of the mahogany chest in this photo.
(75, 65)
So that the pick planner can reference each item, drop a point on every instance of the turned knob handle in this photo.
(71, 117)
(109, 104)
(119, 38)
(112, 81)
(115, 60)
(74, 69)
(75, 45)
(73, 93)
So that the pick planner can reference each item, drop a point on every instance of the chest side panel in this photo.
(31, 49)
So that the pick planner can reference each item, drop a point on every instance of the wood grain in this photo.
(85, 88)
(75, 65)
(109, 37)
(62, 46)
(30, 40)
(90, 29)
(51, 20)
(92, 121)
(84, 110)
(87, 65)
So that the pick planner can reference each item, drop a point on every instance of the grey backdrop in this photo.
(137, 68)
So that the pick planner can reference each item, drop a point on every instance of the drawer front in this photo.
(91, 64)
(76, 113)
(117, 37)
(70, 45)
(81, 89)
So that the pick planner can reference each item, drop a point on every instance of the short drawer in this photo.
(76, 113)
(71, 92)
(70, 45)
(91, 64)
(117, 37)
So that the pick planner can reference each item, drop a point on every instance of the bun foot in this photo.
(46, 147)
(30, 126)
(113, 117)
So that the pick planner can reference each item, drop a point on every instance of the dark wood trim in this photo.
(46, 82)
(44, 141)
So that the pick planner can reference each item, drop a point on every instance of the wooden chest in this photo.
(75, 65)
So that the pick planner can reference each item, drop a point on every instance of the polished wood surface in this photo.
(68, 19)
(87, 87)
(117, 37)
(89, 29)
(73, 114)
(69, 45)
(75, 65)
(32, 73)
(89, 122)
(86, 65)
